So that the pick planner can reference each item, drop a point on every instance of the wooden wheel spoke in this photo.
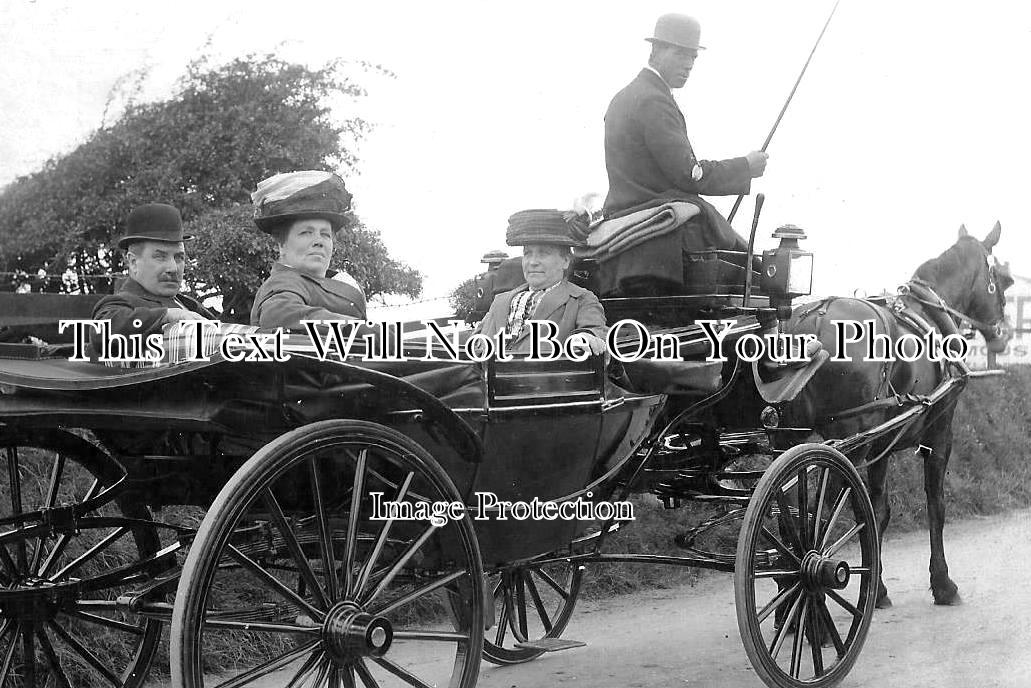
(551, 581)
(816, 637)
(308, 666)
(271, 665)
(402, 673)
(833, 549)
(803, 509)
(781, 547)
(5, 668)
(52, 661)
(786, 522)
(368, 680)
(417, 593)
(499, 635)
(778, 601)
(294, 545)
(782, 632)
(274, 583)
(93, 551)
(820, 499)
(844, 604)
(381, 539)
(520, 601)
(325, 537)
(542, 613)
(62, 540)
(341, 677)
(55, 483)
(796, 650)
(828, 624)
(354, 517)
(8, 563)
(14, 475)
(104, 621)
(401, 561)
(839, 504)
(28, 651)
(85, 654)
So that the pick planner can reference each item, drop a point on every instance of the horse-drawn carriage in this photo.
(326, 520)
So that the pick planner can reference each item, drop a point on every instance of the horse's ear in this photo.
(993, 236)
(962, 231)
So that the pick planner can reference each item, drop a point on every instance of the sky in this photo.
(911, 120)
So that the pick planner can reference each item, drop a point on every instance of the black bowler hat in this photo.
(542, 227)
(154, 222)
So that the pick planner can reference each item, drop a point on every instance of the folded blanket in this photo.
(611, 237)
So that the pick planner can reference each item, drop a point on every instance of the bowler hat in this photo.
(296, 195)
(679, 30)
(540, 227)
(154, 222)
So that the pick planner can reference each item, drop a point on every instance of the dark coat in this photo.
(133, 302)
(574, 309)
(289, 296)
(648, 154)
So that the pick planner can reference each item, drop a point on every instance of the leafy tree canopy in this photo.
(203, 150)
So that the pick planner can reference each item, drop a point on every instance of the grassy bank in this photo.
(990, 471)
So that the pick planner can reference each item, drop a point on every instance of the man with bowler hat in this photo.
(647, 153)
(155, 258)
(547, 240)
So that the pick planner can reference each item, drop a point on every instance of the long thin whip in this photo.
(737, 203)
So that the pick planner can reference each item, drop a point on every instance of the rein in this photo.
(930, 297)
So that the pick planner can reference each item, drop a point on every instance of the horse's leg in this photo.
(876, 476)
(938, 443)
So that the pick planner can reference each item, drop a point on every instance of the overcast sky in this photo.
(911, 120)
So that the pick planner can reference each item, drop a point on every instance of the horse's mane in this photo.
(953, 260)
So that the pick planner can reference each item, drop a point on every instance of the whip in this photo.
(737, 203)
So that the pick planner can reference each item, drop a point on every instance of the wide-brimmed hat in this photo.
(154, 222)
(541, 227)
(297, 195)
(679, 30)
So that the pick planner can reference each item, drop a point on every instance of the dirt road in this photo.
(687, 637)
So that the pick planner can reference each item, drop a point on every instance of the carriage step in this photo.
(551, 644)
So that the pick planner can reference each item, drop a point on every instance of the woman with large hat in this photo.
(547, 239)
(303, 211)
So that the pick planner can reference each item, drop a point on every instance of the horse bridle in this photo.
(937, 302)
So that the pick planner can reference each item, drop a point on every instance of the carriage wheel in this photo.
(61, 625)
(291, 576)
(531, 602)
(806, 569)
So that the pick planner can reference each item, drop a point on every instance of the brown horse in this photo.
(965, 283)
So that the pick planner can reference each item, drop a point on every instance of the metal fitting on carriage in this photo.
(769, 417)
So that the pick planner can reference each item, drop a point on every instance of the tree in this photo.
(204, 149)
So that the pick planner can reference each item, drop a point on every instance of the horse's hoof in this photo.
(883, 602)
(948, 600)
(948, 594)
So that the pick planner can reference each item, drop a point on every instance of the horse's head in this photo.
(989, 280)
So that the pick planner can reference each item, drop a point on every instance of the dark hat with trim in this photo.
(154, 222)
(542, 227)
(296, 195)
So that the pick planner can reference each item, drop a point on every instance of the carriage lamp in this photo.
(787, 270)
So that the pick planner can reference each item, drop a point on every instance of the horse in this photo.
(965, 283)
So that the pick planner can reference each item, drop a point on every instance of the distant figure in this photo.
(155, 258)
(546, 240)
(303, 211)
(647, 153)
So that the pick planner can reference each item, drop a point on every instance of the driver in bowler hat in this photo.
(155, 256)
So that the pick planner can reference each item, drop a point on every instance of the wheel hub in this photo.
(348, 632)
(34, 599)
(824, 572)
